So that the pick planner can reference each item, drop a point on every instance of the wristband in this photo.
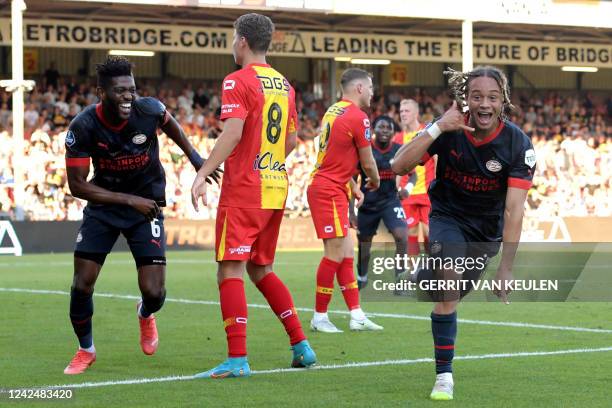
(195, 159)
(433, 130)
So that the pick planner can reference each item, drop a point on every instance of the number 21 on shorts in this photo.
(399, 211)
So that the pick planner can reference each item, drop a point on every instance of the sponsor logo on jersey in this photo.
(139, 139)
(229, 84)
(454, 153)
(493, 165)
(530, 158)
(242, 249)
(266, 161)
(70, 139)
(79, 237)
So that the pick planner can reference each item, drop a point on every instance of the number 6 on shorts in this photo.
(155, 228)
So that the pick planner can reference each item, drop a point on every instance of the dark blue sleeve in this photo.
(78, 138)
(523, 161)
(153, 107)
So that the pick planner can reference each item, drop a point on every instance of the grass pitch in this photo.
(36, 343)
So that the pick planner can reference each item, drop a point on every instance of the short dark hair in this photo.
(352, 74)
(385, 118)
(257, 29)
(114, 66)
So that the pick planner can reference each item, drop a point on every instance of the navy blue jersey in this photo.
(125, 157)
(472, 177)
(387, 191)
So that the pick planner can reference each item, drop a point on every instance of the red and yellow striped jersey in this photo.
(254, 174)
(344, 129)
(424, 174)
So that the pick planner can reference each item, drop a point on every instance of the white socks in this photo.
(91, 349)
(317, 317)
(357, 314)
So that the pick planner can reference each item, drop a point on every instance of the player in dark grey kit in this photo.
(382, 203)
(125, 195)
(484, 169)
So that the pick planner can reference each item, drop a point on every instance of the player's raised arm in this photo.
(411, 154)
(227, 141)
(174, 131)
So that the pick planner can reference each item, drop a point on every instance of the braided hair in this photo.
(459, 83)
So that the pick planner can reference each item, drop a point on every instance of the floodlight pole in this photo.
(467, 40)
(17, 86)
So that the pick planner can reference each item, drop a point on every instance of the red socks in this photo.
(325, 284)
(413, 245)
(234, 312)
(348, 284)
(279, 299)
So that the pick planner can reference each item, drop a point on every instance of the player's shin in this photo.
(81, 311)
(151, 304)
(325, 284)
(280, 300)
(348, 285)
(363, 262)
(444, 330)
(234, 312)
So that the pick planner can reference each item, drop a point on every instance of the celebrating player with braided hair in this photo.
(484, 169)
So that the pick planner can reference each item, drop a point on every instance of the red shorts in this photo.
(329, 210)
(247, 234)
(416, 213)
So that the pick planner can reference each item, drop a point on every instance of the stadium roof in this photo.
(292, 20)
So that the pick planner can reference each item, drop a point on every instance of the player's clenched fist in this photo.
(198, 190)
(453, 119)
(146, 207)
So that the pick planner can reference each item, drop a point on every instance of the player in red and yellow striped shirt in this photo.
(258, 106)
(343, 143)
(413, 186)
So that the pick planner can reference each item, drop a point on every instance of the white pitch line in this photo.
(334, 367)
(340, 312)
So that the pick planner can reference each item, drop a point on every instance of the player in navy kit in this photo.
(484, 169)
(125, 195)
(381, 204)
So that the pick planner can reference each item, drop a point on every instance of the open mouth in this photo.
(125, 108)
(484, 117)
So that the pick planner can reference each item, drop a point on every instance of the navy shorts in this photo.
(391, 214)
(449, 240)
(102, 225)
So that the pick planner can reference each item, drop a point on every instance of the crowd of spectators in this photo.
(571, 135)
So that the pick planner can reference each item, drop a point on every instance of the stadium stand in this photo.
(571, 134)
